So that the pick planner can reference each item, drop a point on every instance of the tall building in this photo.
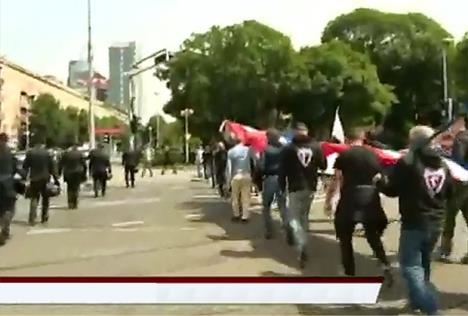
(121, 58)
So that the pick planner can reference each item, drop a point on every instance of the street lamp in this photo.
(186, 113)
(447, 101)
(92, 137)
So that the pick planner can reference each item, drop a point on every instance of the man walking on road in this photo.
(8, 169)
(199, 161)
(100, 169)
(130, 160)
(298, 172)
(167, 161)
(220, 163)
(423, 184)
(148, 161)
(73, 167)
(359, 202)
(459, 201)
(238, 172)
(269, 170)
(40, 167)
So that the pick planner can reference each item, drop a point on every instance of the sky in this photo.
(44, 35)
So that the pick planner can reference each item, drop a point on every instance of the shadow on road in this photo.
(324, 259)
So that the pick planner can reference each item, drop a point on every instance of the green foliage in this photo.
(241, 72)
(171, 134)
(407, 51)
(340, 77)
(60, 127)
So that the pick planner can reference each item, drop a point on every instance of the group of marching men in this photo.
(429, 198)
(38, 177)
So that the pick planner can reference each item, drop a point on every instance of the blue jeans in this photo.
(299, 208)
(271, 190)
(416, 247)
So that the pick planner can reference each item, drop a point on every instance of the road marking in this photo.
(48, 231)
(125, 224)
(123, 202)
(187, 228)
(125, 229)
(211, 196)
(193, 216)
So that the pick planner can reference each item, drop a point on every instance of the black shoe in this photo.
(45, 219)
(268, 235)
(235, 219)
(289, 237)
(245, 220)
(388, 276)
(302, 259)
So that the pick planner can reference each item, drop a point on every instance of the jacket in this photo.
(130, 158)
(39, 165)
(99, 162)
(299, 164)
(72, 165)
(270, 160)
(423, 184)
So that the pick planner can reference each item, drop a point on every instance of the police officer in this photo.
(100, 169)
(73, 167)
(8, 168)
(130, 160)
(39, 165)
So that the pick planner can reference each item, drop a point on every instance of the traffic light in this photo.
(106, 138)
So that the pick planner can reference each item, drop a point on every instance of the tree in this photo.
(171, 134)
(242, 72)
(340, 77)
(48, 122)
(460, 69)
(407, 50)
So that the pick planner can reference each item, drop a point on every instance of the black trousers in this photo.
(7, 206)
(73, 191)
(38, 191)
(100, 183)
(373, 234)
(130, 176)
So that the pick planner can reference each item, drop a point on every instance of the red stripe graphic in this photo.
(228, 279)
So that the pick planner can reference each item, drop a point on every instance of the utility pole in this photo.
(91, 90)
(447, 99)
(186, 113)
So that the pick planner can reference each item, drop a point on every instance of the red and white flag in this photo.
(257, 139)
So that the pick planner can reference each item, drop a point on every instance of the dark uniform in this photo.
(130, 160)
(73, 167)
(8, 168)
(39, 164)
(99, 169)
(220, 163)
(167, 161)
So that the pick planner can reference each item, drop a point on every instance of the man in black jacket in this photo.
(298, 171)
(359, 202)
(269, 169)
(8, 169)
(100, 169)
(73, 167)
(130, 160)
(40, 167)
(220, 163)
(423, 184)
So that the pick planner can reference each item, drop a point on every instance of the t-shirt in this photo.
(358, 165)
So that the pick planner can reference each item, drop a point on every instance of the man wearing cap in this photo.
(298, 173)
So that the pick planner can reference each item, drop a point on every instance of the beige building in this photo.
(19, 85)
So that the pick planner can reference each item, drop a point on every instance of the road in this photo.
(172, 225)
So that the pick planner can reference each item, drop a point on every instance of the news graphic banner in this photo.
(189, 290)
(257, 139)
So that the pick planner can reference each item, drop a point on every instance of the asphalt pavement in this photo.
(174, 225)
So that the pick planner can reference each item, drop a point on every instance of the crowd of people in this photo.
(429, 198)
(38, 177)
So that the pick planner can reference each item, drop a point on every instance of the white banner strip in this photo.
(189, 293)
